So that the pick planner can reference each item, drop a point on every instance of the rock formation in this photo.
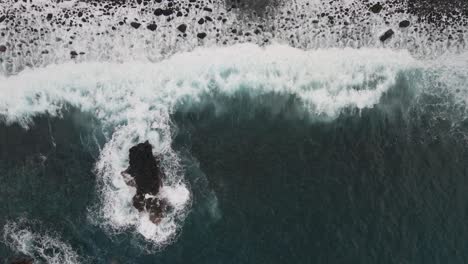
(145, 174)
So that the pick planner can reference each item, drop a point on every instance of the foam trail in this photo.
(40, 247)
(134, 100)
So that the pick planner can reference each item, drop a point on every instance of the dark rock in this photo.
(404, 24)
(152, 27)
(2, 18)
(201, 35)
(73, 54)
(376, 8)
(158, 12)
(49, 17)
(201, 21)
(208, 9)
(3, 48)
(388, 34)
(135, 25)
(144, 173)
(182, 28)
(145, 169)
(168, 12)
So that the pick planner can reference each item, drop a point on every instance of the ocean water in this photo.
(300, 149)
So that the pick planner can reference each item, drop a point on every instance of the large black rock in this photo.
(145, 173)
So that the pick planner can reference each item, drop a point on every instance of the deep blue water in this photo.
(270, 183)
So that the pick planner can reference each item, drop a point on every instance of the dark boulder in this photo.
(182, 28)
(376, 8)
(152, 27)
(387, 35)
(145, 174)
(135, 25)
(168, 12)
(158, 12)
(201, 35)
(3, 48)
(73, 54)
(404, 24)
(145, 169)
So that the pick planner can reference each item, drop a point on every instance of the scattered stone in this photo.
(182, 28)
(3, 48)
(49, 16)
(388, 34)
(152, 27)
(135, 25)
(201, 35)
(376, 8)
(404, 24)
(201, 21)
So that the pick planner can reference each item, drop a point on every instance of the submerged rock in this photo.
(145, 174)
(135, 25)
(182, 28)
(404, 24)
(22, 260)
(376, 8)
(388, 34)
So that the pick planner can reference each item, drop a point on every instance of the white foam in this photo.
(41, 247)
(135, 100)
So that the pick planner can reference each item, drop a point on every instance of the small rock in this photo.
(73, 54)
(135, 25)
(404, 24)
(2, 18)
(388, 34)
(167, 12)
(49, 16)
(152, 27)
(208, 9)
(3, 48)
(158, 12)
(376, 8)
(201, 21)
(182, 28)
(201, 35)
